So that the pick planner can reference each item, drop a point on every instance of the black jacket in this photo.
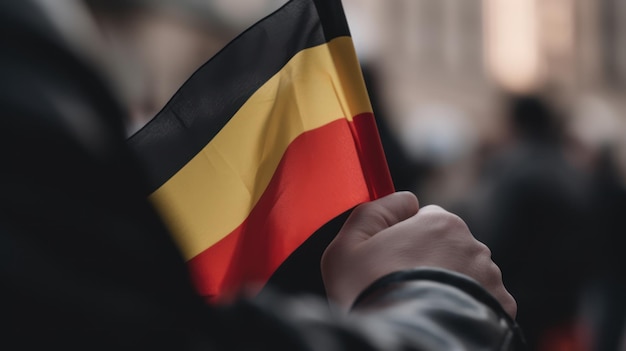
(86, 262)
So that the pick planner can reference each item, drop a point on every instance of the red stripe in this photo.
(319, 177)
(372, 156)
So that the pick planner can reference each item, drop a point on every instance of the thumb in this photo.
(369, 218)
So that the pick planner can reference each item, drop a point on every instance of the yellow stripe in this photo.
(214, 193)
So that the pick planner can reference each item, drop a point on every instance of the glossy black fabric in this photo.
(81, 247)
(87, 264)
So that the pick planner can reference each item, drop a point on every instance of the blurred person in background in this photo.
(88, 264)
(595, 133)
(533, 208)
(606, 294)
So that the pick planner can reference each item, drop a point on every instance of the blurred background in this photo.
(444, 70)
(507, 112)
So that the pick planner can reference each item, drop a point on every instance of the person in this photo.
(533, 209)
(88, 264)
(606, 291)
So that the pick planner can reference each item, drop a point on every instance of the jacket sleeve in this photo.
(421, 309)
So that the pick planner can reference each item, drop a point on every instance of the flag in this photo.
(266, 142)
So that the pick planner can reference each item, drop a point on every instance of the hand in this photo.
(392, 234)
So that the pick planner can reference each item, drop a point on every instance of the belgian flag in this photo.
(265, 143)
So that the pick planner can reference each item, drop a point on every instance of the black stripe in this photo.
(213, 94)
(333, 18)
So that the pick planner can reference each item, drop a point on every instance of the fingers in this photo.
(483, 269)
(343, 262)
(393, 233)
(436, 237)
(509, 304)
(370, 218)
(477, 262)
(489, 275)
(435, 219)
(496, 287)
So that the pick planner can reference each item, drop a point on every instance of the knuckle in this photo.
(453, 223)
(373, 211)
(510, 305)
(458, 224)
(511, 299)
(439, 218)
(495, 271)
(490, 273)
(363, 210)
(484, 250)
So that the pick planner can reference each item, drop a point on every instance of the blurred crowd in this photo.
(545, 187)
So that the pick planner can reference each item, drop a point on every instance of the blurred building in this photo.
(460, 57)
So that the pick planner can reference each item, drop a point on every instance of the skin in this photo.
(393, 233)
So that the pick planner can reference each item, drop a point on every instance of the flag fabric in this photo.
(266, 142)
